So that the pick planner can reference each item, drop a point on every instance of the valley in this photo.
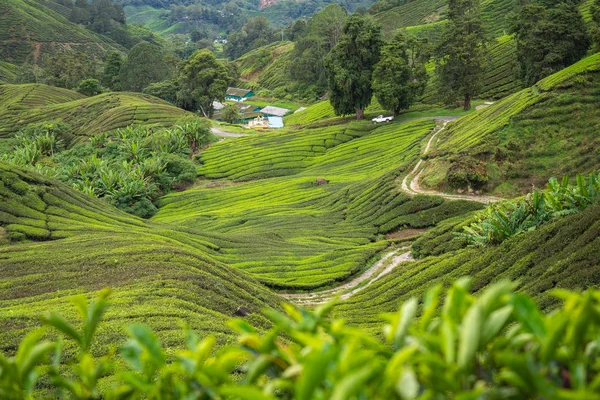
(299, 200)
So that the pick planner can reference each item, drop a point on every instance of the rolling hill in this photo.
(29, 29)
(495, 15)
(27, 104)
(546, 130)
(291, 232)
(57, 242)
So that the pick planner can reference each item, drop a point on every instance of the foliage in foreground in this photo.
(498, 346)
(511, 218)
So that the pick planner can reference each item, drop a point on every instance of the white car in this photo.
(381, 118)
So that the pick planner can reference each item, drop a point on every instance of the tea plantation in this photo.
(8, 72)
(562, 254)
(546, 130)
(267, 65)
(63, 243)
(21, 105)
(291, 232)
(28, 29)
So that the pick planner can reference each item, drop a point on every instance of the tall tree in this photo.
(551, 35)
(202, 80)
(400, 76)
(112, 69)
(350, 66)
(461, 52)
(322, 33)
(67, 68)
(145, 64)
(256, 33)
(595, 11)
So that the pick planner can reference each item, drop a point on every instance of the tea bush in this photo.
(22, 105)
(497, 345)
(291, 232)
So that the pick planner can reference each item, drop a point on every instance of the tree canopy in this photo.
(314, 41)
(461, 52)
(145, 64)
(256, 33)
(112, 69)
(595, 11)
(202, 80)
(400, 76)
(67, 68)
(550, 36)
(350, 66)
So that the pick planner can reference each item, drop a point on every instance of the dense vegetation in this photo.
(507, 219)
(310, 234)
(131, 191)
(30, 29)
(499, 345)
(130, 167)
(544, 130)
(58, 242)
(461, 52)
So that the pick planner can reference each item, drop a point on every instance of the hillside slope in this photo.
(495, 15)
(288, 230)
(28, 29)
(8, 72)
(547, 130)
(266, 66)
(27, 104)
(562, 254)
(56, 242)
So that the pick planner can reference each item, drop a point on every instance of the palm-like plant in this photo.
(507, 219)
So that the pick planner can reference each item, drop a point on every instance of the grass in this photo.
(29, 29)
(66, 243)
(290, 232)
(21, 105)
(523, 139)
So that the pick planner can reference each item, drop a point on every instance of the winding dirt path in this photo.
(219, 132)
(393, 258)
(381, 268)
(410, 183)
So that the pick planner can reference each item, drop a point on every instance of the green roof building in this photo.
(237, 94)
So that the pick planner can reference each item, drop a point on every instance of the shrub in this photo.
(509, 218)
(36, 141)
(90, 87)
(179, 170)
(166, 90)
(231, 114)
(499, 345)
(131, 167)
(467, 173)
